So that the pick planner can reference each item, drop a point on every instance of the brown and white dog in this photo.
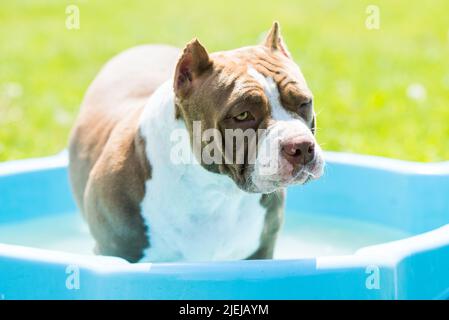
(140, 202)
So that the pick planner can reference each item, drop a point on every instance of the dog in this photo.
(143, 201)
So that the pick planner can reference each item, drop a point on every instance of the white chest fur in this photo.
(192, 214)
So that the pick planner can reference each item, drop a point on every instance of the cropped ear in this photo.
(192, 63)
(274, 40)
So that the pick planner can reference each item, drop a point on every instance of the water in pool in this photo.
(303, 235)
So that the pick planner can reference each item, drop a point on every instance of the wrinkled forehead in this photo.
(247, 70)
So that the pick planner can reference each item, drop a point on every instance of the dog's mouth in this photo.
(303, 176)
(244, 179)
(308, 172)
(276, 181)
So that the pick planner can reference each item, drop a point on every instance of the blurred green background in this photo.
(382, 92)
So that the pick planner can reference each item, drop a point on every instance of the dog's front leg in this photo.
(274, 203)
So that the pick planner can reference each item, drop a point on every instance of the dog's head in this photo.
(255, 113)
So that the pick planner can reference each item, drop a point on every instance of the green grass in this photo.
(359, 77)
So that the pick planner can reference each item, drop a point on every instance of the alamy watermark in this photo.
(372, 21)
(234, 146)
(72, 281)
(72, 21)
(372, 281)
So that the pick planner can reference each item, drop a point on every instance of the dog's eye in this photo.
(306, 104)
(244, 116)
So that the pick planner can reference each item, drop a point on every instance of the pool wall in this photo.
(412, 197)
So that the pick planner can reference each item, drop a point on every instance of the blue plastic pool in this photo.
(371, 228)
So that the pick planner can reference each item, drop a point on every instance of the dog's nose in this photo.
(298, 150)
